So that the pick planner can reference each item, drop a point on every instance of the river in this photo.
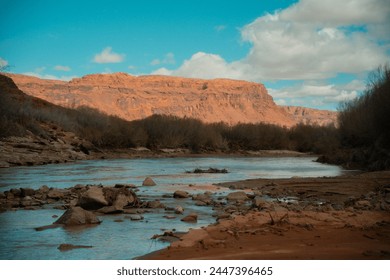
(125, 239)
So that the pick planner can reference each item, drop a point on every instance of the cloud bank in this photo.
(108, 56)
(310, 40)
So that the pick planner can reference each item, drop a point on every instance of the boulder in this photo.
(362, 204)
(110, 210)
(16, 192)
(44, 189)
(179, 210)
(204, 198)
(67, 247)
(180, 194)
(240, 195)
(77, 216)
(260, 202)
(92, 199)
(136, 217)
(148, 182)
(123, 200)
(56, 194)
(191, 218)
(27, 192)
(120, 197)
(154, 204)
(200, 203)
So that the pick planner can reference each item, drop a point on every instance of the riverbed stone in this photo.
(16, 192)
(191, 218)
(203, 198)
(92, 199)
(154, 204)
(67, 247)
(148, 182)
(179, 209)
(110, 210)
(259, 202)
(180, 194)
(136, 217)
(123, 200)
(44, 189)
(237, 196)
(56, 194)
(200, 203)
(77, 216)
(27, 192)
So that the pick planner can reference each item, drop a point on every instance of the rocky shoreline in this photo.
(59, 146)
(344, 217)
(255, 219)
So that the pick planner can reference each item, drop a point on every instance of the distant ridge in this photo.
(131, 98)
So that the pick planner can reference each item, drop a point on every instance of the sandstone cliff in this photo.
(134, 98)
(311, 116)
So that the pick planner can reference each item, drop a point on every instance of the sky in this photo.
(306, 52)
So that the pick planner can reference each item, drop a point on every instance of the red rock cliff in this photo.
(133, 98)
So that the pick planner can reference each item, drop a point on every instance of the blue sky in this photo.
(307, 52)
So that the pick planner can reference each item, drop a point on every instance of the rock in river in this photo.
(180, 194)
(191, 218)
(92, 199)
(77, 216)
(148, 182)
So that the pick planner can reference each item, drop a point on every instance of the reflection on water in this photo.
(127, 239)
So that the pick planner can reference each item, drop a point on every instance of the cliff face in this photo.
(312, 116)
(134, 98)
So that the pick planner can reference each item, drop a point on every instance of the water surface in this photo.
(128, 239)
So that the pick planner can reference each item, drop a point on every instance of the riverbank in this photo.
(344, 217)
(61, 147)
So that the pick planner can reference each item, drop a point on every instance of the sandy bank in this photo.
(343, 217)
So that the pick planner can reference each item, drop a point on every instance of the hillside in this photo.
(133, 98)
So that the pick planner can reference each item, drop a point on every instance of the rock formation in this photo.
(132, 98)
(311, 116)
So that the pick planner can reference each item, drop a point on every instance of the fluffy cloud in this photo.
(169, 58)
(316, 40)
(3, 63)
(220, 28)
(108, 56)
(320, 94)
(39, 73)
(308, 41)
(203, 65)
(49, 76)
(62, 68)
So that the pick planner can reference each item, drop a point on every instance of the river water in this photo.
(128, 239)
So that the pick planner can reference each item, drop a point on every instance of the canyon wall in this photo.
(131, 98)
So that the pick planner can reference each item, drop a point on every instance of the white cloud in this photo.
(220, 28)
(3, 62)
(317, 93)
(155, 62)
(316, 40)
(334, 12)
(108, 56)
(49, 77)
(169, 58)
(62, 68)
(203, 65)
(308, 40)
